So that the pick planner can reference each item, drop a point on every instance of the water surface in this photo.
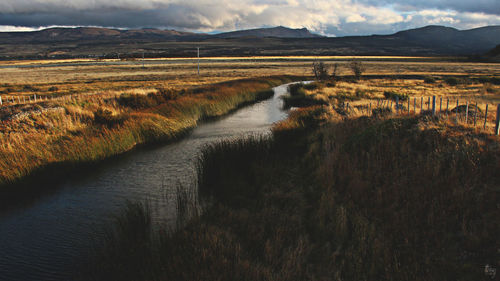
(45, 239)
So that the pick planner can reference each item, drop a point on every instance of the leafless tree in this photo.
(320, 70)
(334, 71)
(357, 68)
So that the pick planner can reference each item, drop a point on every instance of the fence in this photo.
(463, 112)
(27, 99)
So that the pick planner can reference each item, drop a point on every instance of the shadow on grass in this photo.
(361, 199)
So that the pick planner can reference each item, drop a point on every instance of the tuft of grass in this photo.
(358, 199)
(429, 80)
(298, 96)
(107, 118)
(36, 136)
(452, 81)
(393, 95)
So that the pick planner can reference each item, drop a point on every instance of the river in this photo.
(46, 238)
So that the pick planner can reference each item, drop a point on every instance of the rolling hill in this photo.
(105, 42)
(276, 32)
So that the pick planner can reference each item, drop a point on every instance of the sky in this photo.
(331, 18)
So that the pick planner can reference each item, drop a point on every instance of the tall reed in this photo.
(92, 128)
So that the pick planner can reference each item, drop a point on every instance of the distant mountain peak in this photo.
(278, 32)
(429, 29)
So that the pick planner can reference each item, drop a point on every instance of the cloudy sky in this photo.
(327, 17)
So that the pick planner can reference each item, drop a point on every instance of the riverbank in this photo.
(327, 197)
(85, 130)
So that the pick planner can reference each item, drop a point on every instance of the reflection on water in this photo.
(44, 240)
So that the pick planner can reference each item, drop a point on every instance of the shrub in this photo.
(320, 71)
(492, 80)
(299, 98)
(452, 81)
(302, 101)
(393, 95)
(107, 118)
(360, 93)
(29, 88)
(334, 72)
(312, 86)
(343, 96)
(165, 94)
(135, 101)
(429, 80)
(331, 84)
(296, 89)
(357, 68)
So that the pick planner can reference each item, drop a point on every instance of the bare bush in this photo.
(320, 70)
(357, 68)
(334, 71)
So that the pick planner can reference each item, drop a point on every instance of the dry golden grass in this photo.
(86, 76)
(97, 84)
(90, 128)
(375, 88)
(357, 98)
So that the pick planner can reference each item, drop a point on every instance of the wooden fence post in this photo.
(428, 103)
(1, 103)
(440, 105)
(497, 124)
(475, 115)
(456, 112)
(466, 111)
(433, 106)
(485, 117)
(415, 106)
(421, 104)
(408, 105)
(34, 97)
(397, 105)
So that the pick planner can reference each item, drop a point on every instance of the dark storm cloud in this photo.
(339, 17)
(476, 6)
(174, 17)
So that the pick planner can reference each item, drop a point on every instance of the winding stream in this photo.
(45, 239)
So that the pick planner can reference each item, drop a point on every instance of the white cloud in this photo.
(338, 17)
(11, 28)
(355, 18)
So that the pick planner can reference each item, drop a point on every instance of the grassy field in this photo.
(71, 77)
(331, 195)
(327, 198)
(91, 128)
(96, 89)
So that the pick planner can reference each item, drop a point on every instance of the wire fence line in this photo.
(464, 111)
(460, 111)
(27, 99)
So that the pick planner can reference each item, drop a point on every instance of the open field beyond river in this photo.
(73, 76)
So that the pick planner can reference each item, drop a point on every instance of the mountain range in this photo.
(105, 42)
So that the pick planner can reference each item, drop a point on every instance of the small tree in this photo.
(334, 71)
(320, 70)
(357, 68)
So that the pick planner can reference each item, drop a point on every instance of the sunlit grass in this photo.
(93, 128)
(393, 198)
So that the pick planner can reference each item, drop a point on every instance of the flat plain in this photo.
(83, 76)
